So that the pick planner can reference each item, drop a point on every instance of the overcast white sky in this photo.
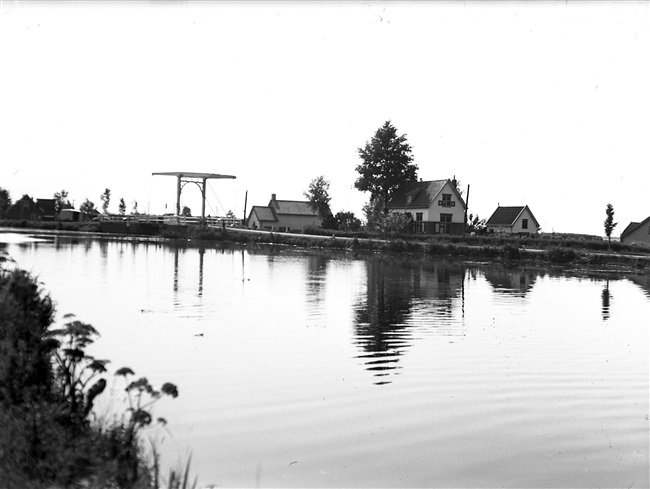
(538, 103)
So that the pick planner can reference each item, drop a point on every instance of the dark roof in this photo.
(294, 207)
(420, 194)
(47, 206)
(508, 215)
(633, 226)
(264, 213)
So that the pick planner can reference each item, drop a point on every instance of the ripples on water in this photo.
(307, 369)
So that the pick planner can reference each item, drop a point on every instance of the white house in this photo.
(519, 220)
(435, 205)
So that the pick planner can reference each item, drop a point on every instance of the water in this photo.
(300, 368)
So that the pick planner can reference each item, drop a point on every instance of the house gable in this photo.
(509, 218)
(637, 232)
(422, 194)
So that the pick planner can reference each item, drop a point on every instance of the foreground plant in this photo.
(48, 384)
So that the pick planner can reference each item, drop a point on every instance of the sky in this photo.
(545, 104)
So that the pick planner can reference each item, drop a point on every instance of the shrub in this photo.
(559, 254)
(47, 387)
(510, 252)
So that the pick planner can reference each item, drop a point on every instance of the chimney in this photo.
(273, 197)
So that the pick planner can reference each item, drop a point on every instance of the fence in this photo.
(171, 220)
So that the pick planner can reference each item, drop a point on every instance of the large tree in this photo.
(609, 221)
(387, 164)
(5, 202)
(106, 200)
(61, 200)
(87, 207)
(319, 197)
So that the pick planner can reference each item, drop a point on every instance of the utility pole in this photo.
(245, 203)
(466, 206)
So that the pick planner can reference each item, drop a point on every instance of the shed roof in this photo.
(633, 226)
(508, 215)
(264, 213)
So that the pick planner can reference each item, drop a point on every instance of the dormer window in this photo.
(409, 199)
(446, 201)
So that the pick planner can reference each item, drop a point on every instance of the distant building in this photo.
(435, 206)
(69, 215)
(283, 215)
(25, 209)
(512, 220)
(637, 232)
(48, 207)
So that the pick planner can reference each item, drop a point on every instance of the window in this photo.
(524, 224)
(419, 224)
(445, 223)
(446, 201)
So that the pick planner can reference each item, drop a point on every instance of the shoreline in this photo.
(556, 251)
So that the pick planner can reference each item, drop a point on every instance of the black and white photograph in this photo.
(314, 243)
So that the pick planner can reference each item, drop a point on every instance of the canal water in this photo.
(313, 369)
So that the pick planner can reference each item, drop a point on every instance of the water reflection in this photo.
(516, 282)
(606, 297)
(402, 299)
(643, 281)
(316, 275)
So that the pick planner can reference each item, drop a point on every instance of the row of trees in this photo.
(61, 202)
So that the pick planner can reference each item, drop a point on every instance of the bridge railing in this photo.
(172, 220)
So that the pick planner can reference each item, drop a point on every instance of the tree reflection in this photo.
(606, 297)
(403, 297)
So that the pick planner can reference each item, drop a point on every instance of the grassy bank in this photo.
(49, 436)
(556, 248)
(553, 250)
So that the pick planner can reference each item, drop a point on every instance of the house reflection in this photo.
(643, 281)
(512, 281)
(404, 300)
(316, 274)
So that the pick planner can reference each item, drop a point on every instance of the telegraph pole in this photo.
(466, 206)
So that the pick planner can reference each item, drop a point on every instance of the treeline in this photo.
(48, 386)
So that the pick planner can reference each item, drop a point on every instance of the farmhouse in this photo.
(25, 209)
(512, 220)
(637, 232)
(283, 215)
(435, 206)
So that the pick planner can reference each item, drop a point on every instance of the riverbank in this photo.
(555, 249)
(50, 435)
